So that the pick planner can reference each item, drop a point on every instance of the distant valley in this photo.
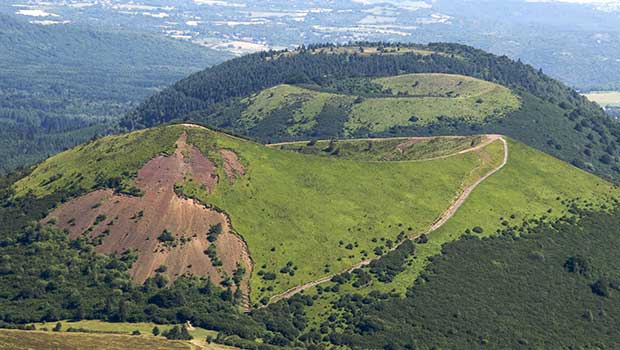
(581, 47)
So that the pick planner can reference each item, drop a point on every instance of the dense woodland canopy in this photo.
(553, 117)
(528, 287)
(61, 85)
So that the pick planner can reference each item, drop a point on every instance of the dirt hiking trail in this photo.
(440, 221)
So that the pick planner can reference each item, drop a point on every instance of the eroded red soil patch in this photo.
(232, 166)
(135, 223)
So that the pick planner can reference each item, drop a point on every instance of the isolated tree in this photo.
(178, 333)
(155, 331)
(122, 310)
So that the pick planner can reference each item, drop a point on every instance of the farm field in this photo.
(35, 340)
(605, 98)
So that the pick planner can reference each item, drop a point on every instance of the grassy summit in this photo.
(376, 105)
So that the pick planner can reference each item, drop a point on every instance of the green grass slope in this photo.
(556, 286)
(110, 161)
(312, 209)
(532, 185)
(306, 216)
(403, 100)
(14, 340)
(303, 216)
(383, 149)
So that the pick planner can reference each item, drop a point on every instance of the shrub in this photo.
(601, 287)
(214, 232)
(577, 264)
(178, 333)
(269, 276)
(166, 236)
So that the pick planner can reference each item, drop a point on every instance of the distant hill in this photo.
(62, 84)
(345, 91)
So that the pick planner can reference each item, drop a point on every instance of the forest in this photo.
(62, 85)
(543, 283)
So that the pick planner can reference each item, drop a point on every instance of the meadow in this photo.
(305, 217)
(532, 185)
(421, 99)
(378, 104)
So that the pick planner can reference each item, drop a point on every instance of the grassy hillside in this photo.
(393, 90)
(145, 339)
(126, 328)
(307, 210)
(393, 149)
(97, 163)
(429, 97)
(531, 186)
(346, 209)
(404, 100)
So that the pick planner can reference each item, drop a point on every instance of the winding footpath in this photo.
(441, 220)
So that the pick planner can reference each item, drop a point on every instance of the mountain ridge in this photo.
(567, 125)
